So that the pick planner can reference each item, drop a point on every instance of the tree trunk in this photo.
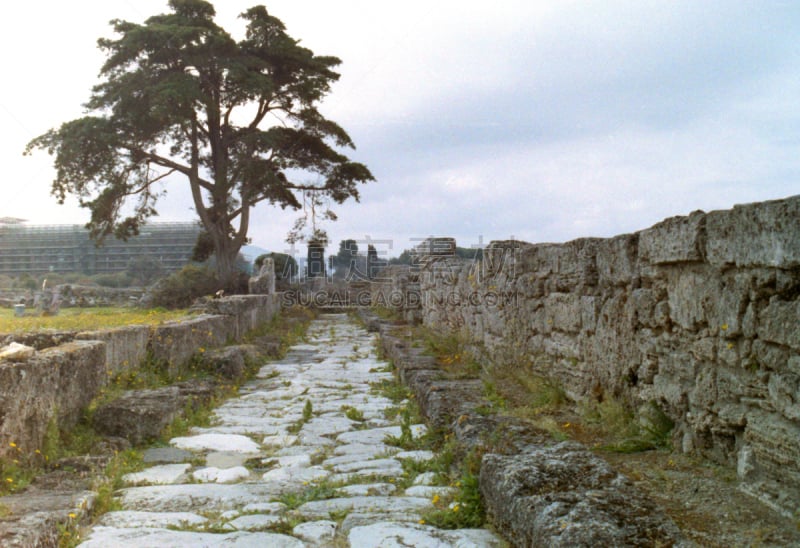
(225, 253)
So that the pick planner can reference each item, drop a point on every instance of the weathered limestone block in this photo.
(138, 415)
(173, 343)
(759, 234)
(692, 298)
(126, 347)
(644, 304)
(264, 281)
(16, 352)
(674, 240)
(244, 312)
(617, 260)
(563, 267)
(780, 323)
(141, 415)
(230, 362)
(590, 310)
(775, 445)
(784, 393)
(443, 401)
(563, 312)
(566, 496)
(59, 380)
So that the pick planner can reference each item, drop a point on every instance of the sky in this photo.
(543, 121)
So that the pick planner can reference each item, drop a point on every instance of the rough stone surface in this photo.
(56, 384)
(566, 496)
(699, 314)
(139, 415)
(252, 459)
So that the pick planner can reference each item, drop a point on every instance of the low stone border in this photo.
(537, 491)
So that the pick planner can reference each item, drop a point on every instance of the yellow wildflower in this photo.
(421, 522)
(10, 480)
(435, 499)
(72, 515)
(12, 444)
(456, 508)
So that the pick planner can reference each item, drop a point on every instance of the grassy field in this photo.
(85, 319)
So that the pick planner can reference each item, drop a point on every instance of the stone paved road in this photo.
(236, 483)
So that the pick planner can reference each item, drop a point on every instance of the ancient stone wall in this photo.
(699, 314)
(60, 381)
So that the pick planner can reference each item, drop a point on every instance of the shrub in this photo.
(179, 290)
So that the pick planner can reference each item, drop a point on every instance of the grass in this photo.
(86, 319)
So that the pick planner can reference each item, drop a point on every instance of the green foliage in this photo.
(353, 414)
(392, 389)
(145, 269)
(465, 509)
(285, 265)
(629, 433)
(405, 257)
(115, 280)
(319, 491)
(180, 289)
(308, 411)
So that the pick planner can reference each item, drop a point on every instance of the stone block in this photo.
(563, 312)
(264, 282)
(693, 296)
(173, 343)
(780, 323)
(674, 240)
(138, 415)
(126, 347)
(566, 496)
(617, 260)
(759, 234)
(61, 380)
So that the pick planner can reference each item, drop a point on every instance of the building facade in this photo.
(35, 249)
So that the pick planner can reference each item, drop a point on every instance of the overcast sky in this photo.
(539, 120)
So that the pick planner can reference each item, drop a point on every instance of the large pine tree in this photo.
(238, 120)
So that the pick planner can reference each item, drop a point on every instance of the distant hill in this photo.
(252, 252)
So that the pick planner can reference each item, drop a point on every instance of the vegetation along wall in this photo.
(58, 382)
(698, 314)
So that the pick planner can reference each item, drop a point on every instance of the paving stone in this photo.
(301, 460)
(104, 537)
(417, 456)
(365, 451)
(429, 491)
(382, 466)
(166, 455)
(379, 504)
(368, 489)
(254, 522)
(316, 532)
(221, 475)
(194, 497)
(410, 534)
(131, 519)
(226, 459)
(158, 475)
(216, 442)
(280, 440)
(428, 478)
(296, 474)
(378, 435)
